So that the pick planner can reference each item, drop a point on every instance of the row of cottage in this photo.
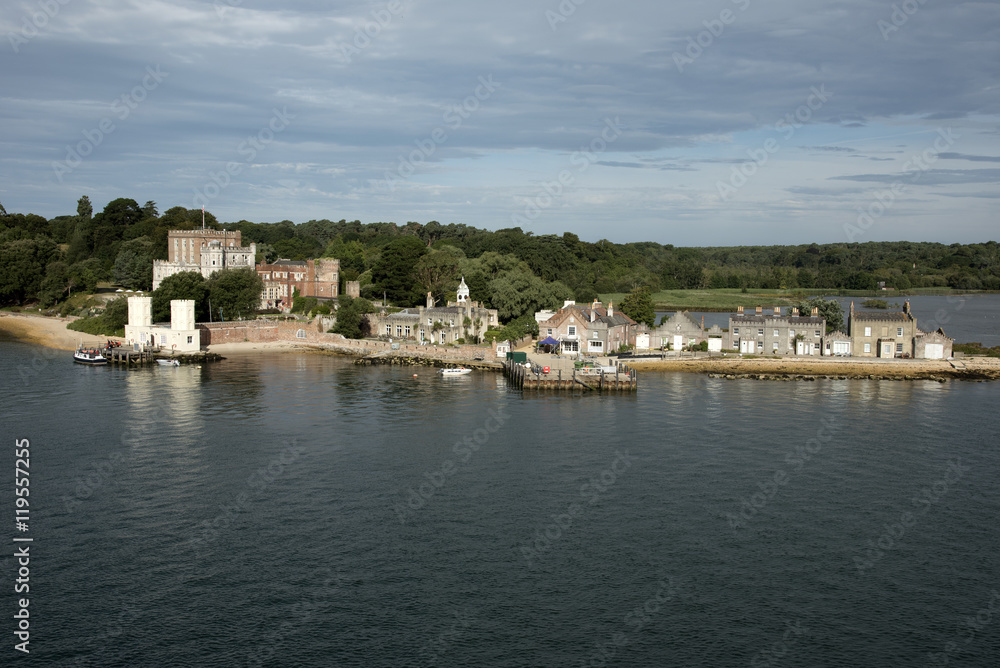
(596, 329)
(573, 329)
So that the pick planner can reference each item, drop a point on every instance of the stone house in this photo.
(204, 251)
(775, 333)
(591, 330)
(883, 333)
(318, 278)
(460, 319)
(679, 330)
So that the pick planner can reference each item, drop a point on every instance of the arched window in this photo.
(301, 334)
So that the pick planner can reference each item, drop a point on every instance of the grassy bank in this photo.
(727, 299)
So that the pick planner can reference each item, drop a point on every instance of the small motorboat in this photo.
(460, 371)
(163, 362)
(91, 356)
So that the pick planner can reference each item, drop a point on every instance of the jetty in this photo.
(539, 372)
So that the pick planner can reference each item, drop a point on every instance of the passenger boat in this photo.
(91, 356)
(460, 371)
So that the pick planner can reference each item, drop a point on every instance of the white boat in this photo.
(91, 356)
(460, 371)
(163, 362)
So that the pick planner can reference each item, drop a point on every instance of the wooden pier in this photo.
(128, 357)
(622, 379)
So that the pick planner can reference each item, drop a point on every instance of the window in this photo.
(868, 347)
(451, 323)
(775, 332)
(899, 348)
(388, 330)
(406, 331)
(571, 330)
(429, 322)
(595, 335)
(422, 334)
(549, 331)
(760, 345)
(816, 333)
(190, 339)
(868, 332)
(815, 346)
(760, 332)
(774, 345)
(399, 330)
(736, 331)
(301, 334)
(899, 331)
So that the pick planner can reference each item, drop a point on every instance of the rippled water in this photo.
(267, 511)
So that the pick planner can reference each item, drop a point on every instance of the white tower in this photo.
(463, 292)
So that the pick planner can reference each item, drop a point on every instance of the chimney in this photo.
(777, 311)
(430, 300)
(739, 310)
(760, 310)
(906, 307)
(593, 314)
(815, 312)
(611, 310)
(795, 312)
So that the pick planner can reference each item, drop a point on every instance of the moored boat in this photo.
(91, 356)
(163, 362)
(460, 371)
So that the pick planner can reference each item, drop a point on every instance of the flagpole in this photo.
(202, 218)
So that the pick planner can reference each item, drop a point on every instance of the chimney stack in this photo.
(777, 311)
(795, 311)
(739, 310)
(611, 310)
(430, 300)
(815, 312)
(593, 314)
(760, 310)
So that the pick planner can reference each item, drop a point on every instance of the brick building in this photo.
(204, 251)
(312, 278)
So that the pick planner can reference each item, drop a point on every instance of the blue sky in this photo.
(693, 123)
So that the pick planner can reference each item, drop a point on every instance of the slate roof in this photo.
(763, 319)
(881, 316)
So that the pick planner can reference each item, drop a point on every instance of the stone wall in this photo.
(265, 331)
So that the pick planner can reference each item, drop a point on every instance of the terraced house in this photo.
(775, 333)
(895, 334)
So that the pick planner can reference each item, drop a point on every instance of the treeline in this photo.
(45, 261)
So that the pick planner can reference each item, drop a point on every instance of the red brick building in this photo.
(312, 278)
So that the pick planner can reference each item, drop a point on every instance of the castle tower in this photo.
(463, 292)
(140, 311)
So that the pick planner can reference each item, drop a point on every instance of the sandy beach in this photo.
(49, 332)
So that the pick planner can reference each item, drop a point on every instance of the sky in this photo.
(719, 123)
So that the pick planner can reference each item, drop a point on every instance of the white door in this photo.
(887, 350)
(934, 351)
(678, 341)
(642, 341)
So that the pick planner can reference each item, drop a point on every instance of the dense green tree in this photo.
(828, 308)
(437, 272)
(393, 275)
(134, 264)
(638, 305)
(182, 285)
(235, 293)
(350, 317)
(23, 265)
